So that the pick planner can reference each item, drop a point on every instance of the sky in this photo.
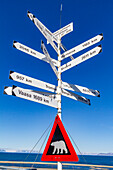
(22, 122)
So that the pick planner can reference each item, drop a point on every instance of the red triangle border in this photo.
(60, 158)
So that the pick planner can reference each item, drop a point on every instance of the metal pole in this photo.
(59, 79)
(59, 167)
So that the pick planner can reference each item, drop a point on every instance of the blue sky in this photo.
(21, 121)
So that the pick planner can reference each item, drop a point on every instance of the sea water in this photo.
(33, 157)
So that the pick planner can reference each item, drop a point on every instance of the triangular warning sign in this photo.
(59, 147)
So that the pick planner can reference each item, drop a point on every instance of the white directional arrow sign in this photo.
(81, 58)
(32, 52)
(47, 34)
(8, 91)
(82, 46)
(75, 96)
(80, 89)
(63, 31)
(34, 96)
(49, 58)
(46, 86)
(32, 82)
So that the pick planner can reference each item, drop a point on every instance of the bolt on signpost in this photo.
(59, 147)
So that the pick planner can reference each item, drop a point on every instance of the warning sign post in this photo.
(59, 146)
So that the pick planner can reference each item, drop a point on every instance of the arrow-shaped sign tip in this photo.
(11, 72)
(98, 93)
(42, 44)
(89, 103)
(100, 49)
(13, 87)
(28, 13)
(14, 43)
(30, 16)
(102, 36)
(10, 75)
(5, 89)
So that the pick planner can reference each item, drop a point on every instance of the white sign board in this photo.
(34, 96)
(32, 52)
(80, 89)
(32, 82)
(81, 58)
(63, 31)
(47, 34)
(49, 58)
(82, 46)
(75, 96)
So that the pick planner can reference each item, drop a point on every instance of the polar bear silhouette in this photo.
(59, 145)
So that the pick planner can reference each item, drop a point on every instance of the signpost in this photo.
(59, 147)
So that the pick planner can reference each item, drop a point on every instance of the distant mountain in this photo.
(2, 150)
(105, 154)
(17, 151)
(28, 151)
(98, 154)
